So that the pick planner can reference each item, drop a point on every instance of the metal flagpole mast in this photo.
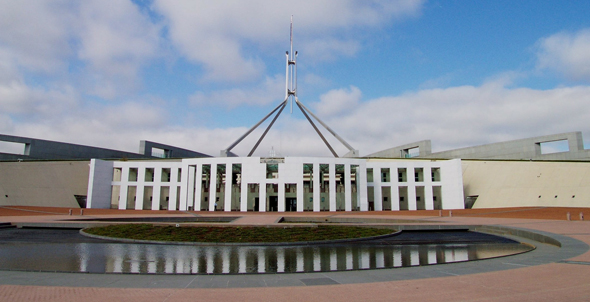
(291, 95)
(291, 89)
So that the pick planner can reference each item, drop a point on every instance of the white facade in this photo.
(276, 184)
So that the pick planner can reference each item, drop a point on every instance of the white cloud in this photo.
(29, 103)
(6, 123)
(463, 116)
(338, 101)
(566, 53)
(269, 91)
(115, 39)
(329, 49)
(452, 117)
(36, 33)
(216, 33)
(110, 38)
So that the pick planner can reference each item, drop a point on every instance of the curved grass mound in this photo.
(234, 234)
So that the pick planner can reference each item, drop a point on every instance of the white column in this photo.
(411, 188)
(378, 193)
(244, 196)
(394, 188)
(347, 189)
(428, 197)
(156, 189)
(300, 199)
(156, 197)
(187, 187)
(124, 188)
(173, 188)
(362, 187)
(140, 188)
(262, 197)
(451, 182)
(228, 187)
(198, 188)
(213, 187)
(316, 187)
(281, 197)
(332, 187)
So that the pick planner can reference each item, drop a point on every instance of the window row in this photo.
(402, 174)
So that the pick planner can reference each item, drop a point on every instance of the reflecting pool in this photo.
(182, 259)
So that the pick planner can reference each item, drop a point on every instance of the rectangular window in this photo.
(132, 174)
(554, 146)
(419, 174)
(157, 152)
(13, 148)
(435, 174)
(166, 175)
(149, 174)
(117, 174)
(401, 175)
(272, 171)
(385, 175)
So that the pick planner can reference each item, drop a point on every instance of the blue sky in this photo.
(198, 74)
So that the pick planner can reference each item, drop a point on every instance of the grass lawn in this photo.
(234, 234)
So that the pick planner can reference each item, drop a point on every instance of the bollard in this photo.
(439, 213)
(581, 216)
(569, 216)
(81, 212)
(70, 212)
(450, 213)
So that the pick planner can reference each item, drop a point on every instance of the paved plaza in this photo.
(548, 273)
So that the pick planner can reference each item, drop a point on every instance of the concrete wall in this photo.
(38, 183)
(145, 148)
(527, 183)
(44, 149)
(403, 150)
(99, 184)
(528, 148)
(48, 150)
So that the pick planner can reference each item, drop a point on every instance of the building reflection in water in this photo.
(183, 259)
(157, 259)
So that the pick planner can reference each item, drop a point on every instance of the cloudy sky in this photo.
(198, 74)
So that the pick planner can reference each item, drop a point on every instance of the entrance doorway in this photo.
(291, 205)
(273, 203)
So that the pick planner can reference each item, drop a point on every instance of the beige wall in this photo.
(43, 183)
(520, 183)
